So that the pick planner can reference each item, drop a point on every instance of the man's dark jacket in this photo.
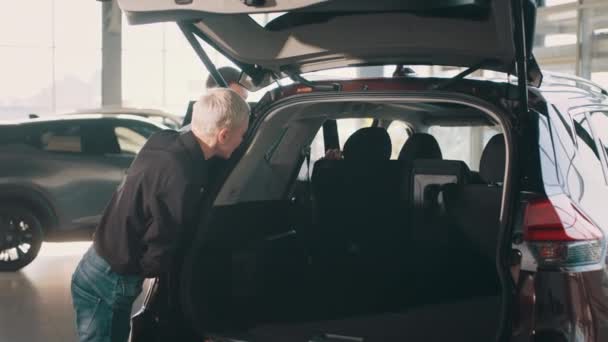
(156, 201)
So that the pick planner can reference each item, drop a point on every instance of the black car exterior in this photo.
(557, 286)
(256, 269)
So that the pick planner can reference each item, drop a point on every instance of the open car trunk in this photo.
(361, 252)
(313, 35)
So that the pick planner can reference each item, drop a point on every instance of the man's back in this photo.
(157, 198)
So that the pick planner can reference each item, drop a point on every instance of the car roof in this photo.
(121, 110)
(79, 117)
(568, 91)
(142, 112)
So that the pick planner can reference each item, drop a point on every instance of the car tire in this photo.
(21, 237)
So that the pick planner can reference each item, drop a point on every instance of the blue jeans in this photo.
(102, 300)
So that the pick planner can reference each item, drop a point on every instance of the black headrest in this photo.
(492, 164)
(369, 143)
(420, 146)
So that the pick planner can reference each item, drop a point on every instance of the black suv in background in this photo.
(423, 246)
(57, 175)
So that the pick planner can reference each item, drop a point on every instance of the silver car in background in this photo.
(57, 174)
(167, 119)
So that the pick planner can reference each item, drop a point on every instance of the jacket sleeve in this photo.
(170, 208)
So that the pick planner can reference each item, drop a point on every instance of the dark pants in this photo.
(102, 300)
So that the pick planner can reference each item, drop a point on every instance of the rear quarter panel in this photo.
(573, 305)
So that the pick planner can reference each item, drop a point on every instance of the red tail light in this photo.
(560, 234)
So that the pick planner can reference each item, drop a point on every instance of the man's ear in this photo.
(222, 135)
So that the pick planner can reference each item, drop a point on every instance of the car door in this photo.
(67, 171)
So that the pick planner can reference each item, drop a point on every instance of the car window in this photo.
(455, 142)
(590, 164)
(132, 136)
(465, 143)
(599, 122)
(564, 146)
(62, 138)
(585, 135)
(346, 127)
(399, 133)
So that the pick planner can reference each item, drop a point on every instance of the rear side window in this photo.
(132, 136)
(585, 169)
(599, 123)
(585, 135)
(399, 133)
(346, 127)
(464, 143)
(62, 138)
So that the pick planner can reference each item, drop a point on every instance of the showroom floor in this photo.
(36, 303)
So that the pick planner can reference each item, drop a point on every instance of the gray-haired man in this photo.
(136, 236)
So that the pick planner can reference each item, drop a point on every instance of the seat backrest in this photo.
(358, 191)
(475, 208)
(342, 188)
(368, 143)
(492, 163)
(420, 146)
(429, 175)
(429, 236)
(361, 223)
(360, 205)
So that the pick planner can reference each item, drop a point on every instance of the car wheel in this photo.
(20, 237)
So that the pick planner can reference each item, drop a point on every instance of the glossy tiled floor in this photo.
(35, 303)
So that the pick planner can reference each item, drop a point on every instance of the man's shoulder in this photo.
(165, 150)
(164, 144)
(161, 140)
(158, 151)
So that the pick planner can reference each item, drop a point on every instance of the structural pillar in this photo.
(111, 54)
(585, 42)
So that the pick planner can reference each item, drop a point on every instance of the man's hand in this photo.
(333, 154)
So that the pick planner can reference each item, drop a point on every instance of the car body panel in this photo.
(570, 303)
(73, 187)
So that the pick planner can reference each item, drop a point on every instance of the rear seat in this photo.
(428, 251)
(376, 219)
(360, 220)
(476, 207)
(420, 146)
(474, 211)
(429, 175)
(429, 170)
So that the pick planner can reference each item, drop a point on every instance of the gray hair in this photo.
(219, 108)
